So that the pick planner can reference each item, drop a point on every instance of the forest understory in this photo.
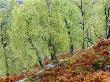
(90, 65)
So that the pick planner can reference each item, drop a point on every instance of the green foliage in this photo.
(31, 20)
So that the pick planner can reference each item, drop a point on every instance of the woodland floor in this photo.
(90, 65)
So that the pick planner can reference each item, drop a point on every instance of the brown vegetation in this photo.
(91, 65)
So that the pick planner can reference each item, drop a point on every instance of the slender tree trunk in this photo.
(108, 36)
(83, 24)
(4, 43)
(50, 42)
(108, 26)
(3, 34)
(49, 6)
(88, 38)
(107, 9)
(52, 49)
(106, 20)
(31, 42)
(37, 52)
(69, 34)
(82, 9)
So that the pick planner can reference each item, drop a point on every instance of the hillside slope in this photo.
(90, 65)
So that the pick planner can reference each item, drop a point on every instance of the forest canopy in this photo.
(31, 30)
